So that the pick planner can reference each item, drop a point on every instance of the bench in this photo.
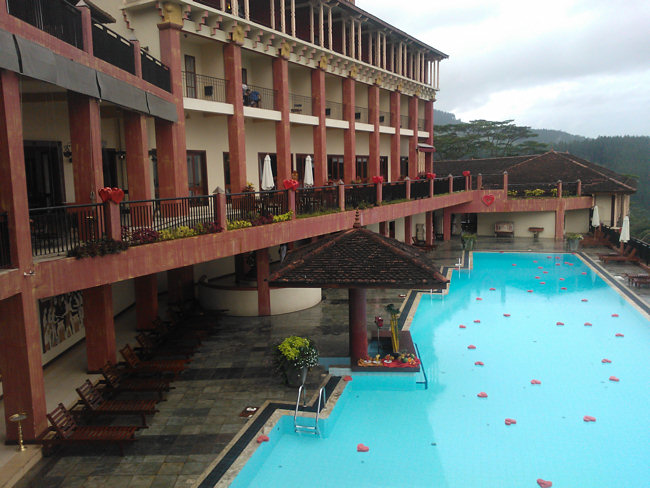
(504, 229)
(65, 431)
(536, 231)
(116, 383)
(135, 365)
(93, 403)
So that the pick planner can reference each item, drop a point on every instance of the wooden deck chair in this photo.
(150, 349)
(135, 365)
(95, 404)
(64, 430)
(116, 382)
(621, 258)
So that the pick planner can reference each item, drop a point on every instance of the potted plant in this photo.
(573, 240)
(468, 241)
(293, 358)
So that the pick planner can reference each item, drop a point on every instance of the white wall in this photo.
(522, 221)
(604, 202)
(576, 221)
(261, 139)
(209, 134)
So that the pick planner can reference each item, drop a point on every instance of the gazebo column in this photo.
(408, 226)
(100, 327)
(358, 328)
(446, 224)
(263, 290)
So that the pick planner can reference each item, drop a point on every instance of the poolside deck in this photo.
(229, 372)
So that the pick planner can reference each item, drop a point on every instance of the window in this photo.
(362, 167)
(404, 166)
(197, 173)
(383, 167)
(190, 76)
(226, 171)
(335, 168)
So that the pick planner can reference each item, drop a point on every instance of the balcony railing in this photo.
(316, 200)
(299, 104)
(249, 205)
(58, 230)
(421, 124)
(404, 121)
(360, 195)
(5, 250)
(204, 87)
(260, 97)
(384, 118)
(489, 182)
(333, 110)
(154, 71)
(393, 191)
(419, 189)
(459, 183)
(113, 48)
(361, 114)
(56, 17)
(440, 186)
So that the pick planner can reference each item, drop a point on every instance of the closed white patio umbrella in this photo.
(595, 218)
(625, 230)
(267, 174)
(309, 173)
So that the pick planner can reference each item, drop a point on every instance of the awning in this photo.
(426, 148)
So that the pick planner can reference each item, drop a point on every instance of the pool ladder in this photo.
(304, 428)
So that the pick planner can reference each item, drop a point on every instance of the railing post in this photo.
(479, 181)
(86, 26)
(559, 188)
(468, 182)
(451, 183)
(579, 189)
(291, 200)
(505, 182)
(380, 192)
(220, 209)
(341, 196)
(408, 187)
(112, 225)
(431, 188)
(137, 57)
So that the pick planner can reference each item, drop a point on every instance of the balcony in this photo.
(299, 104)
(421, 124)
(333, 110)
(204, 87)
(384, 119)
(260, 97)
(404, 121)
(361, 114)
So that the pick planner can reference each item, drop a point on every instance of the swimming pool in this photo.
(532, 310)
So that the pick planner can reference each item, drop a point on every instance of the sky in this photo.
(573, 65)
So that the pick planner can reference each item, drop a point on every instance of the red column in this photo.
(21, 364)
(413, 140)
(373, 138)
(263, 290)
(320, 131)
(429, 228)
(86, 28)
(170, 136)
(408, 229)
(559, 219)
(146, 301)
(446, 224)
(349, 135)
(358, 328)
(86, 141)
(282, 127)
(236, 129)
(100, 328)
(395, 138)
(505, 182)
(221, 210)
(138, 167)
(341, 197)
(428, 127)
(180, 285)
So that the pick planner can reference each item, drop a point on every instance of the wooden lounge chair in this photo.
(64, 430)
(422, 244)
(135, 365)
(152, 349)
(620, 258)
(116, 383)
(94, 404)
(168, 331)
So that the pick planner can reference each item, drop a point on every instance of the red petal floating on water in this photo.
(540, 267)
(514, 264)
(613, 378)
(529, 291)
(535, 260)
(543, 483)
(542, 282)
(262, 438)
(362, 448)
(606, 360)
(482, 395)
(558, 257)
(538, 277)
(545, 272)
(589, 418)
(477, 321)
(563, 288)
(347, 378)
(492, 289)
(614, 315)
(584, 300)
(584, 273)
(471, 346)
(618, 334)
(479, 298)
(535, 382)
(506, 315)
(558, 264)
(559, 323)
(461, 327)
(510, 421)
(479, 363)
(588, 324)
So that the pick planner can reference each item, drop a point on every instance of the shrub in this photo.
(177, 233)
(100, 247)
(238, 224)
(285, 217)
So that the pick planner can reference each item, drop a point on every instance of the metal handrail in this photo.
(426, 380)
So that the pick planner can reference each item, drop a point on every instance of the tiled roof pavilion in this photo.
(358, 259)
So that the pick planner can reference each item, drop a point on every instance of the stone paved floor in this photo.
(232, 370)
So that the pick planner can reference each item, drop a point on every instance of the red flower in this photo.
(431, 176)
(377, 179)
(290, 184)
(466, 173)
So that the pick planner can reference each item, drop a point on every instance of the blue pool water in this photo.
(448, 437)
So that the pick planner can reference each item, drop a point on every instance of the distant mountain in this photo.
(552, 136)
(444, 118)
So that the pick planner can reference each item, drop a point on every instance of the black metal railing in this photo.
(58, 230)
(260, 97)
(56, 17)
(419, 189)
(361, 114)
(642, 247)
(360, 195)
(333, 110)
(113, 48)
(300, 104)
(5, 250)
(141, 220)
(421, 124)
(404, 121)
(459, 183)
(204, 87)
(154, 71)
(569, 188)
(316, 200)
(532, 190)
(488, 182)
(251, 205)
(391, 192)
(384, 118)
(440, 186)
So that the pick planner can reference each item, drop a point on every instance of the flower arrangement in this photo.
(285, 217)
(430, 176)
(249, 188)
(238, 224)
(571, 236)
(466, 173)
(100, 247)
(378, 179)
(295, 353)
(290, 184)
